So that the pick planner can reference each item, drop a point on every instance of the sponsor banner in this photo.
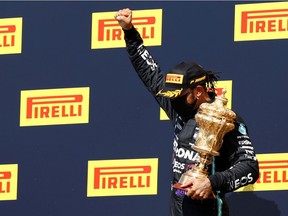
(106, 33)
(273, 173)
(8, 181)
(220, 85)
(11, 35)
(122, 177)
(54, 106)
(261, 21)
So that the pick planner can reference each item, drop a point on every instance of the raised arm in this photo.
(144, 64)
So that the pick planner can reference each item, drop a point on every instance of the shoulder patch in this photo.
(242, 129)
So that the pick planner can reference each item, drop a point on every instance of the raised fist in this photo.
(124, 18)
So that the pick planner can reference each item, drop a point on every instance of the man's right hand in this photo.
(124, 18)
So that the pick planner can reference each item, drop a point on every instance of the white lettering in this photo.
(249, 152)
(244, 180)
(186, 154)
(178, 165)
(149, 60)
(244, 142)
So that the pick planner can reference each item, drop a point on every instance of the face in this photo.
(191, 97)
(185, 104)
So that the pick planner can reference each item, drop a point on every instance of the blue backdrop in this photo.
(124, 118)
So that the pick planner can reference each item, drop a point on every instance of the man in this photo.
(236, 166)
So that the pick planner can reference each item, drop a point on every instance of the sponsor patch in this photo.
(174, 78)
(242, 129)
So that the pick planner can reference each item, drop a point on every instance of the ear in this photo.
(199, 90)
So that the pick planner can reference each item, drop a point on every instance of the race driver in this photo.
(236, 166)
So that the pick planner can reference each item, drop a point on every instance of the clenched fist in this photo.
(124, 18)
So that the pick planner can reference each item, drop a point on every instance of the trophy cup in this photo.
(214, 121)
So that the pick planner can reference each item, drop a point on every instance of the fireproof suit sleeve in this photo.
(238, 150)
(147, 69)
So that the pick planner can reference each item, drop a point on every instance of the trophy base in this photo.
(185, 177)
(178, 186)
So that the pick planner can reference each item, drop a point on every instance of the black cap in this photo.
(184, 75)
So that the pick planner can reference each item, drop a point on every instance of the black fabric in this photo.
(208, 207)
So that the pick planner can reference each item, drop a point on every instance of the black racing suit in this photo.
(235, 167)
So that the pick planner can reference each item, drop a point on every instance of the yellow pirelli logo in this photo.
(220, 85)
(174, 78)
(273, 173)
(106, 33)
(11, 35)
(122, 177)
(8, 181)
(54, 106)
(261, 21)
